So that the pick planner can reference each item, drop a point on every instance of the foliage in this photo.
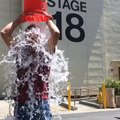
(110, 83)
(117, 88)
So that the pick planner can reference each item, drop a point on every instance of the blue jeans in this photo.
(39, 110)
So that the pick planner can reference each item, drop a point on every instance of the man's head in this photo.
(30, 27)
(29, 30)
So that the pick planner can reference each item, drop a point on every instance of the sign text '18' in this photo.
(70, 26)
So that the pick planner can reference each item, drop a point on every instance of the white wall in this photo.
(111, 28)
(89, 58)
(82, 65)
(9, 10)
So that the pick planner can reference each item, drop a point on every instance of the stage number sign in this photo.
(77, 7)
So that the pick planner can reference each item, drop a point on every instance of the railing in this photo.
(90, 94)
(83, 92)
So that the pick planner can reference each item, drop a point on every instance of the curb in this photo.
(65, 105)
(91, 104)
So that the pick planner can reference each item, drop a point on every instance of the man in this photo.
(39, 110)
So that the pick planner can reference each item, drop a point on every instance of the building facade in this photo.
(89, 37)
(9, 10)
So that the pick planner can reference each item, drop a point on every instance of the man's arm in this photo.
(6, 32)
(55, 34)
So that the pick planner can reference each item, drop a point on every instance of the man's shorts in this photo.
(39, 110)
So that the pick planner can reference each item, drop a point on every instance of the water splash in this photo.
(29, 50)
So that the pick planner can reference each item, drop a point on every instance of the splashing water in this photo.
(30, 56)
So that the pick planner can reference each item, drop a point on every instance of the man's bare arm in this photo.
(55, 34)
(6, 32)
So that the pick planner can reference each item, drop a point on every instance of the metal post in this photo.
(104, 95)
(75, 94)
(69, 96)
(100, 99)
(80, 94)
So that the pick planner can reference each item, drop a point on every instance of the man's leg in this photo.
(21, 112)
(42, 111)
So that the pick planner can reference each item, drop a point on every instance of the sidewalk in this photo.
(81, 108)
(56, 109)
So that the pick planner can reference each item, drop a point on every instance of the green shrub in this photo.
(110, 83)
(117, 88)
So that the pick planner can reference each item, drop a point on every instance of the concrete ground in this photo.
(101, 115)
(56, 109)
